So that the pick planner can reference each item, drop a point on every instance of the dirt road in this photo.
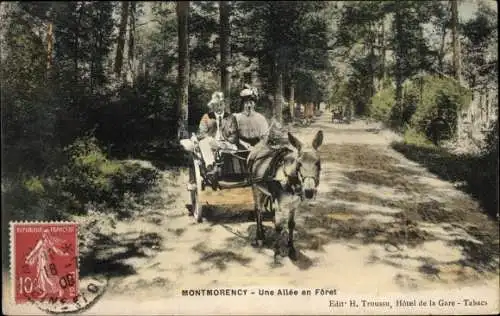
(380, 224)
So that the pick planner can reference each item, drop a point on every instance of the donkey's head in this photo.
(306, 166)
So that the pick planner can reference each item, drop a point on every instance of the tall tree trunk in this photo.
(183, 67)
(131, 32)
(383, 53)
(121, 38)
(131, 42)
(371, 41)
(292, 101)
(225, 50)
(50, 45)
(76, 48)
(399, 57)
(454, 34)
(278, 96)
(441, 49)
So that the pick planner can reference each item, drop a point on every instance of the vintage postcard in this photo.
(250, 158)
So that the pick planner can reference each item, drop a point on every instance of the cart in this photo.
(224, 179)
(337, 115)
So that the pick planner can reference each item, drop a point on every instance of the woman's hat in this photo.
(217, 98)
(249, 92)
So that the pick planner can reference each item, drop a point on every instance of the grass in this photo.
(411, 136)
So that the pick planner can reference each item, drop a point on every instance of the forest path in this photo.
(378, 216)
(380, 224)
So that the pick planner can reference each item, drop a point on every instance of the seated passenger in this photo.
(218, 130)
(252, 126)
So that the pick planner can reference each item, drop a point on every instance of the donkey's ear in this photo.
(318, 140)
(294, 141)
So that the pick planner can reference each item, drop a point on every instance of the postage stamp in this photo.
(44, 261)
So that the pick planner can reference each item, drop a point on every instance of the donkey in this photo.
(278, 173)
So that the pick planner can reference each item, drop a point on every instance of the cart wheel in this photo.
(195, 190)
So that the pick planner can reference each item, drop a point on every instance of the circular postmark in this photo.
(90, 291)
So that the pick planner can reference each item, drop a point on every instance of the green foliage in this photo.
(381, 105)
(412, 137)
(285, 37)
(91, 177)
(87, 178)
(441, 97)
(480, 46)
(425, 99)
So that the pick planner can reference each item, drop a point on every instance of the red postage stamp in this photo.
(44, 261)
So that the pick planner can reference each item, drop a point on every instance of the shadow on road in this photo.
(107, 257)
(480, 177)
(406, 218)
(217, 258)
(231, 213)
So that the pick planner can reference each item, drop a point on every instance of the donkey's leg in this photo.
(278, 228)
(291, 226)
(259, 237)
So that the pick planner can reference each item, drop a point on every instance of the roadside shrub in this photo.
(425, 99)
(90, 176)
(381, 106)
(441, 97)
(28, 197)
(413, 137)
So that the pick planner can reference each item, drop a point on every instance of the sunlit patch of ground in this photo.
(236, 196)
(359, 156)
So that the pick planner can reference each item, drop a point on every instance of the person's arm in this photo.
(264, 127)
(203, 128)
(230, 129)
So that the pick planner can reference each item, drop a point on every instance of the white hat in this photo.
(249, 92)
(217, 97)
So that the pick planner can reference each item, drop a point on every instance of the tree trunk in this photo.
(292, 101)
(183, 67)
(121, 38)
(76, 48)
(277, 85)
(131, 31)
(441, 50)
(131, 43)
(50, 45)
(399, 56)
(278, 96)
(371, 42)
(454, 34)
(225, 50)
(383, 52)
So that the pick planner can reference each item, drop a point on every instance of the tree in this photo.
(121, 37)
(182, 10)
(225, 49)
(286, 38)
(131, 39)
(455, 40)
(399, 41)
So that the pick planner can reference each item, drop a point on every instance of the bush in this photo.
(425, 100)
(441, 97)
(413, 137)
(28, 198)
(91, 177)
(381, 106)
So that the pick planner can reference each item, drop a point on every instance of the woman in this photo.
(252, 126)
